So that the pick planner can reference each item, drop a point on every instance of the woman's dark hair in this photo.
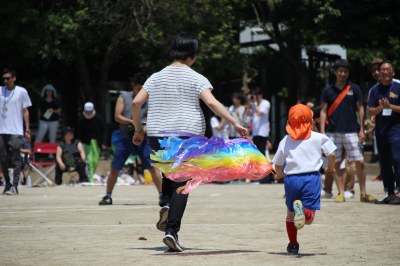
(238, 95)
(184, 46)
(257, 91)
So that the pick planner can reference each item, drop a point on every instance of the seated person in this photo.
(70, 157)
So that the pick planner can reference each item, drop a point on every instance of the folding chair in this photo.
(39, 164)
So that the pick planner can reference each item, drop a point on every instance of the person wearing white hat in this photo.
(91, 134)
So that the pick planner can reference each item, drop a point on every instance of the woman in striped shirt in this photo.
(173, 95)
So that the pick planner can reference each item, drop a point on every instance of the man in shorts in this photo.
(122, 138)
(341, 102)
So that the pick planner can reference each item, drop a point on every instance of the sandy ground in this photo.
(233, 224)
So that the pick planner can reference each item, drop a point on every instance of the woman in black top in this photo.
(49, 114)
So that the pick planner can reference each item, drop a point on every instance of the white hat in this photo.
(88, 107)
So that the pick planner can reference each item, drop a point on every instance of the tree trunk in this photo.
(100, 93)
(84, 78)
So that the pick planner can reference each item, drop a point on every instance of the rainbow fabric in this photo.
(202, 160)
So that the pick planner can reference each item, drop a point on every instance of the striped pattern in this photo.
(174, 101)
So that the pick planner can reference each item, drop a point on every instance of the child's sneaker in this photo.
(171, 241)
(299, 217)
(293, 248)
(162, 223)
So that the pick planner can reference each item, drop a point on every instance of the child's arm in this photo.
(279, 174)
(331, 163)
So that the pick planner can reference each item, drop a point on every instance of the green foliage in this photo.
(103, 36)
(367, 28)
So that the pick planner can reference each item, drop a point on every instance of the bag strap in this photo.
(336, 103)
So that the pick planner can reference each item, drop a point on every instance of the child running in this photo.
(298, 160)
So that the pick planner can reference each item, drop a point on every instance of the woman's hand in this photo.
(241, 130)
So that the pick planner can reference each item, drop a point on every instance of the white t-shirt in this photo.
(261, 123)
(12, 104)
(303, 156)
(223, 133)
(174, 103)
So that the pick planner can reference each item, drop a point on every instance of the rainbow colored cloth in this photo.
(203, 160)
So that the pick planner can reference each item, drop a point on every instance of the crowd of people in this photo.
(15, 134)
(168, 103)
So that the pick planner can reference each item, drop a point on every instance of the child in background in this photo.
(301, 151)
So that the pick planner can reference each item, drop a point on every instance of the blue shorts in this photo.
(305, 187)
(124, 147)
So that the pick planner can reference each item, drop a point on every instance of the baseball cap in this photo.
(299, 122)
(88, 107)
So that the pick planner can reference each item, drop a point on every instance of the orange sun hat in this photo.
(299, 122)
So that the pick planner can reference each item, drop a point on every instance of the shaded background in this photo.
(87, 48)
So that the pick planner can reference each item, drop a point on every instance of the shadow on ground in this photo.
(196, 252)
(300, 255)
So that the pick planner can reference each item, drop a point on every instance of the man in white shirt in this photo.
(14, 103)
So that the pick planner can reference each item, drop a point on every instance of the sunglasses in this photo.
(6, 78)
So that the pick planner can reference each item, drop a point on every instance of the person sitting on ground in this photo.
(70, 157)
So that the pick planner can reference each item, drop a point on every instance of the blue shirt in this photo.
(386, 125)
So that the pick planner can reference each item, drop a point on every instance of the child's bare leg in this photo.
(339, 178)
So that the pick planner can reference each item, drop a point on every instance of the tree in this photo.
(95, 35)
(367, 28)
(292, 25)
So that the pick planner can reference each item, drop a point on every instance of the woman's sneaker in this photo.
(171, 241)
(107, 200)
(12, 191)
(299, 217)
(162, 223)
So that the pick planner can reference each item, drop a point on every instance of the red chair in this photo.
(39, 164)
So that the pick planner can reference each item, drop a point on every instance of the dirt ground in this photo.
(235, 224)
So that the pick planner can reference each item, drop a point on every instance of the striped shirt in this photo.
(174, 103)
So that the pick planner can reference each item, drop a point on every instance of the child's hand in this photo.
(276, 179)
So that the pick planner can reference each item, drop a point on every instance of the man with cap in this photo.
(298, 160)
(70, 156)
(91, 134)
